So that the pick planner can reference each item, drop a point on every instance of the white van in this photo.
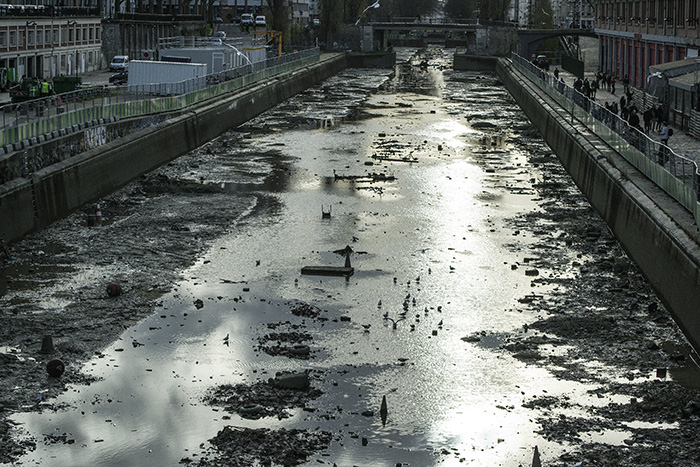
(119, 63)
(247, 20)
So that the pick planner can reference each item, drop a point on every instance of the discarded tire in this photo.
(250, 410)
(114, 289)
(300, 349)
(55, 367)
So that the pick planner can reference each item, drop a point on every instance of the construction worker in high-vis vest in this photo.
(45, 88)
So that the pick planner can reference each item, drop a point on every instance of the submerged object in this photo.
(55, 367)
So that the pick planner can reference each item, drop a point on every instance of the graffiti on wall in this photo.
(94, 137)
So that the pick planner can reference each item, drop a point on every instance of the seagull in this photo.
(257, 262)
(414, 301)
(226, 338)
(395, 322)
(386, 315)
(440, 323)
(430, 271)
(417, 279)
(440, 308)
(402, 360)
(426, 310)
(394, 280)
(402, 314)
(366, 326)
(413, 327)
(452, 268)
(379, 305)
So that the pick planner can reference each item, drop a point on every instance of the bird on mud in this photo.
(366, 326)
(226, 339)
(395, 321)
(386, 315)
(379, 304)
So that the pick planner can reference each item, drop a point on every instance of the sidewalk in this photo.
(680, 143)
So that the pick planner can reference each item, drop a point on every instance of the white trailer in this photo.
(166, 78)
(219, 58)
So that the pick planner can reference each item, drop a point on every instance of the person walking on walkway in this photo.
(647, 116)
(612, 85)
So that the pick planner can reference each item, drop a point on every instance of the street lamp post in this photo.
(374, 5)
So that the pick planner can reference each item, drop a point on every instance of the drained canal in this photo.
(464, 235)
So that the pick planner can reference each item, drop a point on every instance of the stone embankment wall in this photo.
(655, 231)
(28, 204)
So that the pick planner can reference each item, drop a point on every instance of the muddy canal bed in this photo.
(490, 306)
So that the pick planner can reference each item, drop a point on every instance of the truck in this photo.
(166, 78)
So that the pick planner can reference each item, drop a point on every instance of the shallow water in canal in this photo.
(435, 237)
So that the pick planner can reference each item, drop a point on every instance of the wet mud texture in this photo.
(54, 283)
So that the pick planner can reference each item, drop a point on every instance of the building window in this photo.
(47, 37)
(3, 39)
(85, 34)
(13, 38)
(39, 37)
(30, 37)
(680, 13)
(92, 33)
(71, 35)
(692, 14)
(63, 61)
(97, 33)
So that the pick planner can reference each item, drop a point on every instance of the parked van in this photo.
(119, 63)
(247, 20)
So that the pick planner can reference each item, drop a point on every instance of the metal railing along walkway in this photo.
(676, 174)
(28, 121)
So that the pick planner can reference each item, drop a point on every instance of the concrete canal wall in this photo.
(656, 232)
(28, 204)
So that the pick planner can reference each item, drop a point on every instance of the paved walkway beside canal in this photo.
(681, 142)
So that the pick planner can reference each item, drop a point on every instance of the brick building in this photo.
(44, 41)
(635, 35)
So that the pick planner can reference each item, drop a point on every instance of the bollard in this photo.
(46, 345)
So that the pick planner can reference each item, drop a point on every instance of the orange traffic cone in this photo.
(98, 215)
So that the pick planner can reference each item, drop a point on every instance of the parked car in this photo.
(247, 20)
(220, 35)
(260, 22)
(119, 63)
(119, 78)
(542, 61)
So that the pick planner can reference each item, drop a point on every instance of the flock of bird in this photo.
(408, 302)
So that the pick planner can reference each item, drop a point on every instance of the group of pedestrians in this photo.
(653, 118)
(607, 81)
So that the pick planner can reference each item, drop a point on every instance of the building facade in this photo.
(635, 35)
(47, 42)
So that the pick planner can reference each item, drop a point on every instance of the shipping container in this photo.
(166, 78)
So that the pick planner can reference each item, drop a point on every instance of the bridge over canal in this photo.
(380, 34)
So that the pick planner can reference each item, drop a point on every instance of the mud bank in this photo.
(587, 316)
